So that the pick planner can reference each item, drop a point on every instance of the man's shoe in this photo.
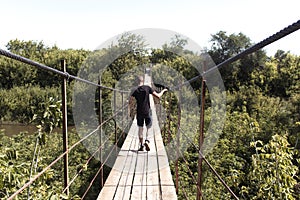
(141, 148)
(147, 146)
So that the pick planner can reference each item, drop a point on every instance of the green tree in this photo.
(225, 46)
(278, 76)
(177, 57)
(15, 73)
(287, 67)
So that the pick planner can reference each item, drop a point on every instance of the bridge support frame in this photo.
(65, 128)
(201, 138)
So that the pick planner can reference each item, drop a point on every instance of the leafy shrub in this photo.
(20, 103)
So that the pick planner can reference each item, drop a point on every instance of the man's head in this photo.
(140, 80)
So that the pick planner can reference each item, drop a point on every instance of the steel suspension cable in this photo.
(280, 34)
(190, 172)
(211, 167)
(101, 167)
(56, 71)
(60, 157)
(183, 190)
(97, 150)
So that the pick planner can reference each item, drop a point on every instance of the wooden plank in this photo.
(125, 183)
(131, 136)
(110, 186)
(112, 182)
(167, 185)
(141, 175)
(166, 182)
(153, 185)
(139, 182)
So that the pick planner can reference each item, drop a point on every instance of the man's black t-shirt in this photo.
(141, 95)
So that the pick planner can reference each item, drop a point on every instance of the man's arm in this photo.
(131, 107)
(131, 99)
(158, 95)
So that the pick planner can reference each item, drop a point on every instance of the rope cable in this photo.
(56, 71)
(211, 167)
(190, 172)
(60, 157)
(101, 167)
(280, 34)
(183, 190)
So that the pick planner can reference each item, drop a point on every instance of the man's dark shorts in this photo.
(144, 118)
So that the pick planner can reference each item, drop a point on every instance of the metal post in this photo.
(169, 121)
(160, 112)
(201, 138)
(100, 131)
(178, 140)
(165, 133)
(65, 127)
(115, 111)
(123, 131)
(128, 109)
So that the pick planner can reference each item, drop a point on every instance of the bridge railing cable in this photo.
(211, 167)
(62, 155)
(102, 165)
(273, 38)
(190, 171)
(183, 190)
(182, 135)
(66, 75)
(56, 71)
(110, 137)
(282, 33)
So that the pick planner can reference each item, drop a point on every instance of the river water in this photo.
(13, 129)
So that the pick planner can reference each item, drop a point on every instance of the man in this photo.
(141, 94)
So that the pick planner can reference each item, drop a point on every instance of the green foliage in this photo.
(12, 171)
(262, 100)
(273, 174)
(49, 115)
(278, 77)
(21, 103)
(14, 73)
(15, 161)
(238, 73)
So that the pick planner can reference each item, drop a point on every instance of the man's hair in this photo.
(139, 79)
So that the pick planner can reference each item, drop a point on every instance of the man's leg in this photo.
(141, 136)
(148, 121)
(140, 123)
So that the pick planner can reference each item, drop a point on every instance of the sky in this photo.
(87, 24)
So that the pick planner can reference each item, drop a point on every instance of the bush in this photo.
(20, 103)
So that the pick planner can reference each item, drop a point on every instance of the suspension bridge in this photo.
(136, 175)
(141, 175)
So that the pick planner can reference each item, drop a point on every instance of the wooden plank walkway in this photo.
(140, 175)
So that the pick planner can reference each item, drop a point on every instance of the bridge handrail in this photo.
(56, 71)
(280, 34)
(284, 32)
(63, 154)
